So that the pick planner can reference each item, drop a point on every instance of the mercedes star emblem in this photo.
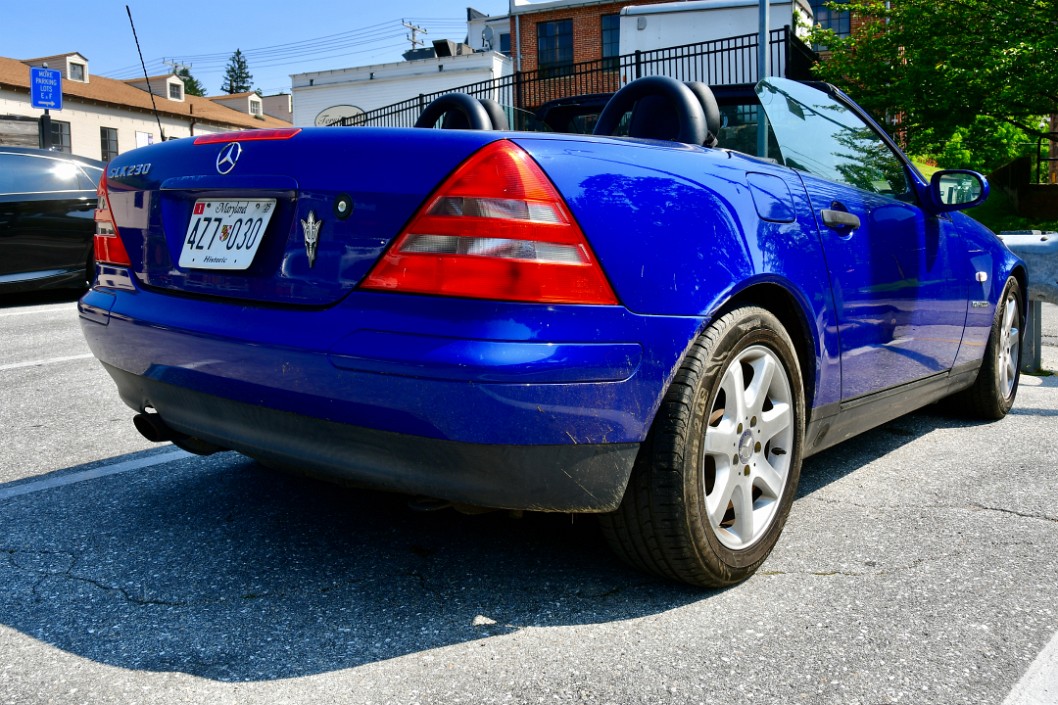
(228, 156)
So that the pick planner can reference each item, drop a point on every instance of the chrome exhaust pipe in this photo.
(155, 430)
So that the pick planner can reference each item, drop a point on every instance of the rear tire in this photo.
(714, 482)
(992, 395)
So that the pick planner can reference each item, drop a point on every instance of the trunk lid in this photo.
(334, 198)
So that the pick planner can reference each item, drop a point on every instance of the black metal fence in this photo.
(718, 62)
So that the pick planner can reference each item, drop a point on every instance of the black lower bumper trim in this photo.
(559, 478)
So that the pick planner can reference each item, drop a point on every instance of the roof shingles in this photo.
(14, 74)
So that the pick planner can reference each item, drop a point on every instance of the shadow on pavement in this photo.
(39, 298)
(220, 568)
(838, 461)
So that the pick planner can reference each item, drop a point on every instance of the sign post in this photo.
(45, 88)
(763, 55)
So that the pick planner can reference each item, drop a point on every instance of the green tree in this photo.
(191, 84)
(936, 68)
(984, 145)
(237, 76)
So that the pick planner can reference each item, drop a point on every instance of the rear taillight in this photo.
(109, 249)
(495, 229)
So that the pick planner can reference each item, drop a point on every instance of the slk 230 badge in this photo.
(118, 172)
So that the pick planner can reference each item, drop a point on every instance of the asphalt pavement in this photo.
(918, 566)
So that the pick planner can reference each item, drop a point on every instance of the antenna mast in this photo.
(146, 78)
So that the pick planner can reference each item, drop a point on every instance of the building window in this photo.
(505, 44)
(255, 107)
(76, 72)
(108, 143)
(611, 40)
(838, 20)
(176, 91)
(554, 47)
(60, 136)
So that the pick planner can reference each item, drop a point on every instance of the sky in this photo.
(277, 38)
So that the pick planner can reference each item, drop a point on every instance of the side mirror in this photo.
(956, 189)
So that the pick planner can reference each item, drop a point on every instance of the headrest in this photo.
(670, 110)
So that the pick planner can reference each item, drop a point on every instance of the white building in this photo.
(321, 97)
(103, 117)
(672, 24)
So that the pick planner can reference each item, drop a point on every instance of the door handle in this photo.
(840, 219)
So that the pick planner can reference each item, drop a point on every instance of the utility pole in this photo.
(175, 65)
(413, 38)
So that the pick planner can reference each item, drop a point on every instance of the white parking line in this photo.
(48, 483)
(39, 363)
(1039, 685)
(56, 308)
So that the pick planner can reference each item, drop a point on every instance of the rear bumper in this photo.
(509, 405)
(569, 478)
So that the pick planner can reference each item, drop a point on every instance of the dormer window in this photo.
(176, 91)
(77, 72)
(255, 107)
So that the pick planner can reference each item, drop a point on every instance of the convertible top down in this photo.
(655, 323)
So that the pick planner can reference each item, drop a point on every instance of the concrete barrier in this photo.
(1040, 251)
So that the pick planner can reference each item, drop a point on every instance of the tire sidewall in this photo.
(747, 328)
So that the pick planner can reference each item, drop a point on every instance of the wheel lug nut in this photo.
(756, 448)
(746, 471)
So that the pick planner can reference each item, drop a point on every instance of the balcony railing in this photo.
(718, 62)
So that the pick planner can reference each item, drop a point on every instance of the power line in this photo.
(304, 50)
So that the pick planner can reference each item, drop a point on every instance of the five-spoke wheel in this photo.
(746, 451)
(714, 482)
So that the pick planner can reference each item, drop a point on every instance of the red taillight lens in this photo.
(495, 229)
(109, 249)
(281, 133)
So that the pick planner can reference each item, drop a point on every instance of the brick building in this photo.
(558, 33)
(575, 47)
(553, 35)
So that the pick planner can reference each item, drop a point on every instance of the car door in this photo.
(46, 211)
(900, 307)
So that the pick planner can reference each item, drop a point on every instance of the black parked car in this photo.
(47, 207)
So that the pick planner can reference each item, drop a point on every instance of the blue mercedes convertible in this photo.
(655, 323)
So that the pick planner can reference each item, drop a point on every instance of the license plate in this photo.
(225, 234)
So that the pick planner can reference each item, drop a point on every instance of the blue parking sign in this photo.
(45, 87)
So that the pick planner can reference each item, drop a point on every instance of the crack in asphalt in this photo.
(973, 506)
(917, 563)
(132, 599)
(1024, 515)
(11, 555)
